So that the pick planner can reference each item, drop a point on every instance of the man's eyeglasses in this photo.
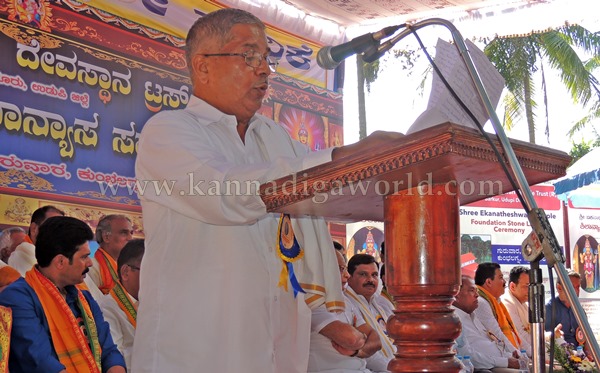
(252, 58)
(133, 267)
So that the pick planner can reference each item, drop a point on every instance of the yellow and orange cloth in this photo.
(124, 302)
(108, 271)
(501, 314)
(77, 351)
(5, 327)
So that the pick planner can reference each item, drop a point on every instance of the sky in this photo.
(396, 100)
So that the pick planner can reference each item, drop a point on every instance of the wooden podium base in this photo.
(422, 240)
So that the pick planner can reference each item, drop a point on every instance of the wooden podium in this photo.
(415, 187)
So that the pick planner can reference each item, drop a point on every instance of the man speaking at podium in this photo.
(226, 286)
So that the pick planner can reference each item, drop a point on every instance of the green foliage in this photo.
(480, 248)
(370, 71)
(519, 58)
(579, 150)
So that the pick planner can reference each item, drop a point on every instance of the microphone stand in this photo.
(542, 241)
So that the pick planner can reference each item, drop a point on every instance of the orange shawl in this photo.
(70, 343)
(108, 271)
(504, 320)
(120, 296)
(5, 327)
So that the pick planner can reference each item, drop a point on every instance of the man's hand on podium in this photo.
(370, 143)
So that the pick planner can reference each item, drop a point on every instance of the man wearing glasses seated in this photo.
(486, 350)
(119, 306)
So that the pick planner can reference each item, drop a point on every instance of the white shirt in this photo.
(519, 313)
(121, 330)
(485, 314)
(486, 354)
(94, 273)
(23, 258)
(209, 295)
(379, 311)
(323, 357)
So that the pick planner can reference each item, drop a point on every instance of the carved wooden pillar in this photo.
(423, 274)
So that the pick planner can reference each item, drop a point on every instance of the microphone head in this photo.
(324, 59)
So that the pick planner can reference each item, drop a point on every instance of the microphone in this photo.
(330, 57)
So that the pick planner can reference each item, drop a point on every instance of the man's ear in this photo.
(124, 271)
(199, 67)
(59, 261)
(33, 230)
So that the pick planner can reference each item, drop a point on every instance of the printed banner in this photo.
(73, 104)
(296, 54)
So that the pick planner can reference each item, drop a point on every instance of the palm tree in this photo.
(366, 74)
(519, 58)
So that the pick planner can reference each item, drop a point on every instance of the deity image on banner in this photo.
(366, 240)
(336, 135)
(35, 13)
(306, 127)
(585, 262)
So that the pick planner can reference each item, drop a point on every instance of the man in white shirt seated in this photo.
(375, 308)
(491, 312)
(486, 350)
(119, 306)
(340, 342)
(516, 302)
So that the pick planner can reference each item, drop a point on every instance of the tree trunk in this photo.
(362, 112)
(529, 110)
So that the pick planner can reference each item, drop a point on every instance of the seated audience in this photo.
(10, 238)
(374, 308)
(119, 306)
(564, 313)
(56, 326)
(486, 350)
(339, 342)
(516, 302)
(23, 257)
(112, 233)
(491, 312)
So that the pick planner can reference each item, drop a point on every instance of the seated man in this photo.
(492, 313)
(10, 238)
(516, 302)
(486, 350)
(374, 308)
(339, 342)
(119, 307)
(112, 233)
(23, 256)
(56, 326)
(564, 313)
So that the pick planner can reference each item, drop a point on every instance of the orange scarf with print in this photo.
(108, 270)
(120, 296)
(504, 320)
(74, 350)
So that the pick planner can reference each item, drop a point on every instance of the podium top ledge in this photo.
(352, 188)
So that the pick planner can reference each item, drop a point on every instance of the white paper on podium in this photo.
(442, 107)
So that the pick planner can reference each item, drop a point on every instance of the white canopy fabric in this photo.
(581, 185)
